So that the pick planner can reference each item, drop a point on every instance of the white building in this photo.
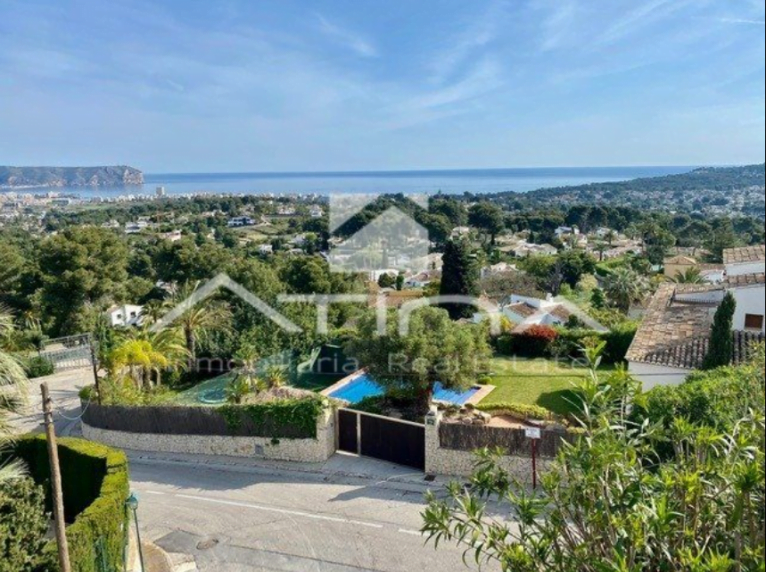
(316, 211)
(124, 316)
(495, 269)
(524, 312)
(748, 260)
(240, 221)
(674, 338)
(136, 227)
(563, 231)
(266, 249)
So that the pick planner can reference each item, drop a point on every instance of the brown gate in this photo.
(392, 440)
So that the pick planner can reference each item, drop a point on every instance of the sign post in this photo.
(534, 434)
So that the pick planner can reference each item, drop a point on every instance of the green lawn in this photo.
(544, 383)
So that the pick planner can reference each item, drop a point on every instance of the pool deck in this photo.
(481, 394)
(343, 383)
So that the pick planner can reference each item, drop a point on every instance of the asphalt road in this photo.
(242, 521)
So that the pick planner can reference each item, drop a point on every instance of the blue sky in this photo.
(274, 85)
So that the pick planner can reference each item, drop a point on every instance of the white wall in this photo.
(743, 269)
(749, 301)
(652, 376)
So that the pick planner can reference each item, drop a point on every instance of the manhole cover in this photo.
(207, 544)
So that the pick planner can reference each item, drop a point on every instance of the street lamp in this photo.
(132, 504)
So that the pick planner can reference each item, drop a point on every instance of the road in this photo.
(255, 521)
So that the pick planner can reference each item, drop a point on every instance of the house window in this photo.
(753, 322)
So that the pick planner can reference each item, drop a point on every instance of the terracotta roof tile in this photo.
(669, 321)
(691, 354)
(744, 255)
(746, 280)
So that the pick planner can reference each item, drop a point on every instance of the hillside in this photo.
(56, 177)
(722, 191)
(707, 179)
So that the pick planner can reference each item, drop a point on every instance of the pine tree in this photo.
(460, 277)
(721, 351)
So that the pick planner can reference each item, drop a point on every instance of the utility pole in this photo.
(94, 362)
(58, 495)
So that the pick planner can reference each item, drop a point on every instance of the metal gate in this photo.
(74, 352)
(392, 440)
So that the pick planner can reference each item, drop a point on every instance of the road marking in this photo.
(283, 511)
(410, 532)
(153, 493)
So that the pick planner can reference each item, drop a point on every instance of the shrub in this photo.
(39, 367)
(95, 483)
(525, 412)
(23, 527)
(618, 342)
(534, 342)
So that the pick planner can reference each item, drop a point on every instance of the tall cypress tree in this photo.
(721, 351)
(460, 277)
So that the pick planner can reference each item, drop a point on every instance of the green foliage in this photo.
(609, 504)
(435, 349)
(534, 342)
(37, 367)
(624, 286)
(277, 419)
(716, 399)
(518, 410)
(95, 483)
(81, 266)
(722, 335)
(23, 526)
(460, 277)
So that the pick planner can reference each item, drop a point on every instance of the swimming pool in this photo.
(365, 386)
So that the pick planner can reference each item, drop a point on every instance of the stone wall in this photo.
(451, 463)
(317, 450)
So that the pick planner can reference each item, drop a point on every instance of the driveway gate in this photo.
(392, 440)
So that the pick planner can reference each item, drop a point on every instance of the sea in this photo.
(479, 181)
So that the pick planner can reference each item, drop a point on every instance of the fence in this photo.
(457, 437)
(288, 420)
(73, 352)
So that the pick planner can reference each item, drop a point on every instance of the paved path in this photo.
(64, 388)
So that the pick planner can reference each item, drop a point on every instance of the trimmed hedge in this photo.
(23, 526)
(96, 486)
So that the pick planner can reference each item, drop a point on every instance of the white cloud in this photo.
(347, 38)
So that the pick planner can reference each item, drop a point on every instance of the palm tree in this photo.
(13, 383)
(276, 377)
(146, 354)
(602, 249)
(610, 237)
(154, 310)
(624, 286)
(200, 321)
(690, 276)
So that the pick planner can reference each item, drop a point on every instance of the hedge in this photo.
(96, 486)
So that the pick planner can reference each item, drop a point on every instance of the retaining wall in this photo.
(441, 460)
(317, 450)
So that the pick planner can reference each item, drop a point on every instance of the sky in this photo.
(334, 85)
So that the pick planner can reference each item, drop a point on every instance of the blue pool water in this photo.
(364, 386)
